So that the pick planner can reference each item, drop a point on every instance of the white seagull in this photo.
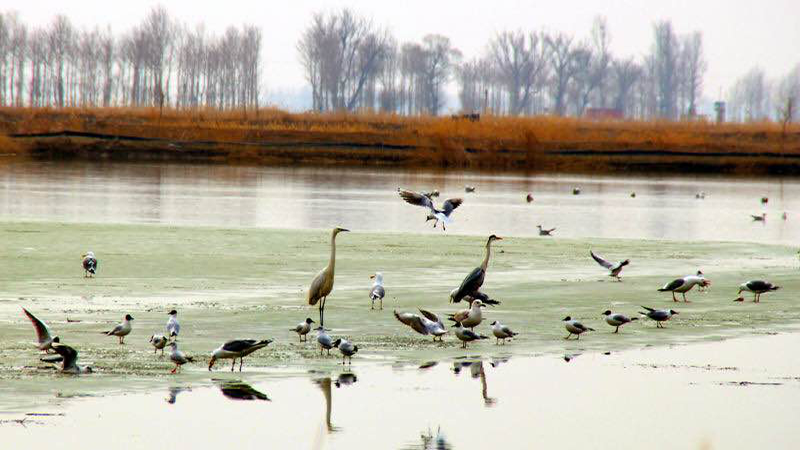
(303, 328)
(757, 287)
(469, 318)
(158, 341)
(501, 331)
(659, 315)
(324, 340)
(43, 336)
(465, 335)
(684, 285)
(68, 356)
(575, 327)
(436, 215)
(617, 320)
(178, 357)
(614, 268)
(173, 327)
(238, 348)
(89, 264)
(377, 292)
(428, 323)
(121, 330)
(346, 348)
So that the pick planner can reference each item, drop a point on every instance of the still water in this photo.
(664, 207)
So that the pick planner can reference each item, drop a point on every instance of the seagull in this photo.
(324, 340)
(68, 357)
(477, 295)
(236, 390)
(469, 189)
(684, 285)
(761, 218)
(436, 215)
(617, 320)
(529, 198)
(377, 292)
(428, 323)
(173, 327)
(501, 331)
(633, 194)
(545, 232)
(757, 287)
(575, 327)
(159, 341)
(346, 348)
(89, 264)
(178, 357)
(43, 335)
(469, 318)
(121, 330)
(238, 348)
(303, 328)
(659, 315)
(764, 200)
(465, 335)
(576, 191)
(614, 268)
(474, 280)
(700, 195)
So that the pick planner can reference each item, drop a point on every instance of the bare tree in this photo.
(695, 67)
(563, 65)
(626, 73)
(520, 60)
(665, 57)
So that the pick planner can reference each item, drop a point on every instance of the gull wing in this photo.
(430, 316)
(415, 198)
(674, 284)
(450, 204)
(239, 345)
(69, 354)
(603, 262)
(42, 331)
(377, 292)
(472, 282)
(115, 330)
(759, 285)
(413, 321)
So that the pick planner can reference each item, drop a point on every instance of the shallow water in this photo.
(665, 207)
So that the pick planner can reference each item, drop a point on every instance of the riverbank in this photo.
(544, 144)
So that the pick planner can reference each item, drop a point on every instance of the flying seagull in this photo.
(178, 357)
(465, 335)
(614, 268)
(474, 280)
(158, 341)
(428, 323)
(43, 336)
(68, 357)
(617, 320)
(173, 327)
(322, 285)
(121, 330)
(575, 327)
(501, 331)
(757, 287)
(89, 264)
(238, 348)
(684, 285)
(436, 215)
(659, 315)
(545, 232)
(469, 318)
(346, 348)
(303, 328)
(377, 292)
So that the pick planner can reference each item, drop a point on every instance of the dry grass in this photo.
(493, 142)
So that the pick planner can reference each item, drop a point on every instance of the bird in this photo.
(238, 348)
(178, 357)
(303, 328)
(346, 348)
(465, 335)
(436, 215)
(761, 218)
(324, 340)
(501, 331)
(757, 287)
(764, 200)
(322, 285)
(575, 327)
(576, 191)
(529, 198)
(469, 189)
(469, 318)
(633, 194)
(236, 390)
(68, 357)
(89, 264)
(474, 280)
(700, 195)
(121, 330)
(617, 320)
(614, 269)
(428, 323)
(659, 315)
(477, 295)
(545, 232)
(173, 327)
(684, 285)
(377, 292)
(784, 216)
(43, 336)
(159, 341)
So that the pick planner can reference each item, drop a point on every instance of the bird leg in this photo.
(684, 298)
(381, 304)
(176, 368)
(241, 361)
(322, 312)
(233, 364)
(577, 337)
(122, 340)
(568, 336)
(617, 330)
(673, 297)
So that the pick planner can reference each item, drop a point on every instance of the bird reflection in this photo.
(236, 390)
(432, 441)
(499, 360)
(428, 364)
(476, 370)
(325, 385)
(346, 379)
(173, 393)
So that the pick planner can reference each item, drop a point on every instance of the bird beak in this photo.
(343, 229)
(498, 238)
(371, 277)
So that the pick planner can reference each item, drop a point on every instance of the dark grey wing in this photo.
(238, 345)
(674, 284)
(450, 204)
(648, 309)
(51, 359)
(759, 285)
(471, 283)
(478, 295)
(377, 292)
(659, 315)
(413, 321)
(507, 331)
(579, 326)
(607, 264)
(69, 354)
(415, 198)
(471, 334)
(116, 329)
(429, 315)
(42, 332)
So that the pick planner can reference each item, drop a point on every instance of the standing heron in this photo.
(323, 282)
(473, 282)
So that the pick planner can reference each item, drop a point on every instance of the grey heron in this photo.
(322, 285)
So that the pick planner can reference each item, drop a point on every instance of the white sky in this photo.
(738, 34)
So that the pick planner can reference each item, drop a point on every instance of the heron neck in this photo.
(485, 263)
(332, 263)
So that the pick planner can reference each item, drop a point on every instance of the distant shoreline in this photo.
(273, 137)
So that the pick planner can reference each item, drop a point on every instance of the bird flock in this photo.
(426, 323)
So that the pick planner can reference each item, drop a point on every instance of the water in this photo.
(665, 207)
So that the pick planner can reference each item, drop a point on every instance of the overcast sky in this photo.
(738, 34)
